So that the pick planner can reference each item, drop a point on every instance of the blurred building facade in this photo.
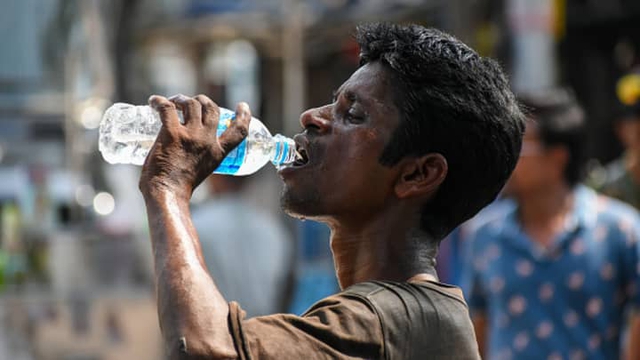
(601, 42)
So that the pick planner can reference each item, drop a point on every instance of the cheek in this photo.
(359, 149)
(370, 135)
(356, 169)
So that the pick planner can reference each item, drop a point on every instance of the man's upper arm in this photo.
(336, 328)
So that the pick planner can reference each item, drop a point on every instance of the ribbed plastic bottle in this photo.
(127, 133)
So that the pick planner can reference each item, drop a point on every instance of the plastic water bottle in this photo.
(127, 133)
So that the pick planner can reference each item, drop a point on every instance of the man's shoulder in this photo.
(401, 303)
(410, 312)
(382, 292)
(611, 211)
(607, 220)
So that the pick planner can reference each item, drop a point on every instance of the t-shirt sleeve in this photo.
(338, 327)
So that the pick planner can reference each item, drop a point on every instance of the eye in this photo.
(354, 117)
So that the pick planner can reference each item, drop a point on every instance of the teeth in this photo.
(298, 155)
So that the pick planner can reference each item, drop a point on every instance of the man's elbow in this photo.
(196, 349)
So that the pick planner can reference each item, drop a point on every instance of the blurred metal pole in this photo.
(87, 57)
(293, 99)
(70, 134)
(124, 52)
(100, 60)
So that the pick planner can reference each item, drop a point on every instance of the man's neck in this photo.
(385, 249)
(543, 213)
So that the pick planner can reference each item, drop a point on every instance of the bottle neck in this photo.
(284, 150)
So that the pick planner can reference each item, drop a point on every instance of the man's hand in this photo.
(184, 154)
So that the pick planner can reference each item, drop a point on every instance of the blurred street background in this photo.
(75, 266)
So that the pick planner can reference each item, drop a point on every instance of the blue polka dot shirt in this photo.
(565, 301)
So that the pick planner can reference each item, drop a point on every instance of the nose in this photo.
(318, 119)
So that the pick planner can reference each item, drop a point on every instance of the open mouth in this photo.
(302, 157)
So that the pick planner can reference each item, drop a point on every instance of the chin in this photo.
(300, 204)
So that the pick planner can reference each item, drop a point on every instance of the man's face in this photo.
(538, 167)
(343, 142)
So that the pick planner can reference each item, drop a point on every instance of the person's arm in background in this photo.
(480, 326)
(193, 314)
(633, 341)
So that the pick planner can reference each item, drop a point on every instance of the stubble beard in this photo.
(302, 203)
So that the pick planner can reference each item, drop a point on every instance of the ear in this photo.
(421, 176)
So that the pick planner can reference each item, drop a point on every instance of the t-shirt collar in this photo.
(582, 216)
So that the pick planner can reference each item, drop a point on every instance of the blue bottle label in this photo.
(282, 149)
(234, 160)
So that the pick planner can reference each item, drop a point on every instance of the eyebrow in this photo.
(350, 95)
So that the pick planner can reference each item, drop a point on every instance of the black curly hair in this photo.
(452, 102)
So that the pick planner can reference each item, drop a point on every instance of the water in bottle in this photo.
(127, 133)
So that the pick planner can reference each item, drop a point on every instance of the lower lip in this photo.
(286, 170)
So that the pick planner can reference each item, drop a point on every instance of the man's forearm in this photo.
(192, 312)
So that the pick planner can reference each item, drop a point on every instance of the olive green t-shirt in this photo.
(369, 320)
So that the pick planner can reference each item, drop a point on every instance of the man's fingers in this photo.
(166, 109)
(210, 111)
(238, 129)
(191, 109)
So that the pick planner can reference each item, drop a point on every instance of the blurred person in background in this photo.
(621, 178)
(552, 276)
(421, 137)
(234, 233)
